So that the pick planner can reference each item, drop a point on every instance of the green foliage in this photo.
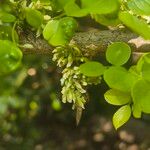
(59, 32)
(121, 116)
(99, 6)
(92, 69)
(34, 17)
(144, 65)
(6, 33)
(118, 53)
(119, 78)
(10, 57)
(107, 19)
(146, 71)
(127, 86)
(141, 94)
(72, 9)
(134, 23)
(7, 17)
(89, 7)
(116, 97)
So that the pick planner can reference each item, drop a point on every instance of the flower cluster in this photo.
(73, 82)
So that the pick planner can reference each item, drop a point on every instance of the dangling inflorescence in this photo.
(73, 82)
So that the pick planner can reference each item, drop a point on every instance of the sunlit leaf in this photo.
(121, 116)
(135, 24)
(100, 6)
(34, 17)
(10, 57)
(119, 78)
(116, 97)
(118, 53)
(92, 69)
(141, 95)
(59, 32)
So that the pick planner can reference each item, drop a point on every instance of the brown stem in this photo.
(92, 43)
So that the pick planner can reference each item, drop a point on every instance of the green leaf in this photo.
(116, 97)
(135, 24)
(100, 6)
(50, 29)
(10, 57)
(133, 70)
(143, 66)
(91, 7)
(118, 53)
(121, 116)
(92, 69)
(119, 78)
(141, 95)
(59, 32)
(107, 19)
(146, 71)
(6, 33)
(72, 9)
(136, 109)
(69, 25)
(55, 38)
(140, 63)
(140, 7)
(34, 17)
(7, 17)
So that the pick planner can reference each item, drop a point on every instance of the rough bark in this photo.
(91, 43)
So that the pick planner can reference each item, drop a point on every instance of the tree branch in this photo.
(39, 45)
(92, 43)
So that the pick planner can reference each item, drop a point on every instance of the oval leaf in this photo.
(72, 9)
(10, 57)
(146, 71)
(92, 69)
(107, 20)
(7, 17)
(116, 97)
(140, 62)
(141, 95)
(136, 109)
(143, 66)
(6, 33)
(91, 7)
(119, 78)
(50, 29)
(118, 53)
(34, 17)
(59, 32)
(100, 6)
(121, 116)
